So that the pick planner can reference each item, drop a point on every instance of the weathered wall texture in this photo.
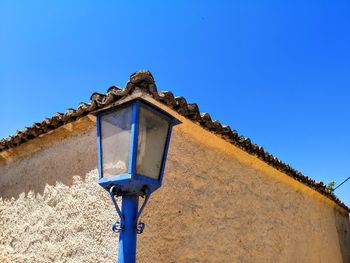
(217, 204)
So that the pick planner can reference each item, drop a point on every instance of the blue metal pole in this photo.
(127, 236)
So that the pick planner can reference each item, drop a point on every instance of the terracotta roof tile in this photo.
(143, 80)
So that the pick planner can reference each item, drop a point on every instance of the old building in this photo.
(223, 199)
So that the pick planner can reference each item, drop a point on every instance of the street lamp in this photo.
(132, 140)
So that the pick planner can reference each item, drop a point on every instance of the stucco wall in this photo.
(217, 204)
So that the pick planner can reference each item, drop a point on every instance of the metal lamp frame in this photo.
(133, 182)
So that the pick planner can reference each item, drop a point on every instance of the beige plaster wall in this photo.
(217, 204)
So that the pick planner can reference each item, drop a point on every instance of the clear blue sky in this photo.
(276, 71)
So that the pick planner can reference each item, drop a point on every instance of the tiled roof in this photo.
(143, 80)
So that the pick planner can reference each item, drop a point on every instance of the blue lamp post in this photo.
(132, 140)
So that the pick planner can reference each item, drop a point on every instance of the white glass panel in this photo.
(115, 142)
(153, 130)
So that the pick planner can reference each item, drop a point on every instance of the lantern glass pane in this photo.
(153, 131)
(115, 141)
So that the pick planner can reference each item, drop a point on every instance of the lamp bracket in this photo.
(141, 225)
(115, 192)
(119, 224)
(116, 227)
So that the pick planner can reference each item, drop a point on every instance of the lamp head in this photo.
(133, 140)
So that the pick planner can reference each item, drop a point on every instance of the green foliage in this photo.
(330, 188)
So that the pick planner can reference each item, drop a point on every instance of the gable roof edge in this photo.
(143, 81)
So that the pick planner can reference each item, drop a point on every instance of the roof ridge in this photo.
(143, 81)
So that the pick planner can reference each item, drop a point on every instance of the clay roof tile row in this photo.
(143, 81)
